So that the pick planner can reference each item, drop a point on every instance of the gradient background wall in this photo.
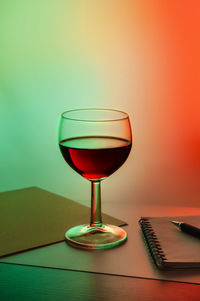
(138, 56)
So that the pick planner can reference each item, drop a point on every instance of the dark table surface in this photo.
(59, 272)
(19, 282)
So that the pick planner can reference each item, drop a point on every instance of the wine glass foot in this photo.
(97, 237)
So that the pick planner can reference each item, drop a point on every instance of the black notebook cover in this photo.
(169, 246)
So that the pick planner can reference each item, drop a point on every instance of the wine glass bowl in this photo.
(95, 143)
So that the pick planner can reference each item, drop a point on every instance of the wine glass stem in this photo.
(96, 220)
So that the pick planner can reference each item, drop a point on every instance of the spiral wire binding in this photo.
(152, 241)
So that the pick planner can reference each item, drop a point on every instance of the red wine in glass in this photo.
(95, 143)
(95, 157)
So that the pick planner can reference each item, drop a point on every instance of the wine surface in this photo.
(95, 157)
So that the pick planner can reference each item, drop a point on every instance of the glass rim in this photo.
(123, 117)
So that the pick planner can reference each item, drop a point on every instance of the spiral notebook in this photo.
(168, 246)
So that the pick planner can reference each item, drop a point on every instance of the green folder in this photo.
(33, 217)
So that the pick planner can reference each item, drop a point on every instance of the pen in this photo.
(187, 228)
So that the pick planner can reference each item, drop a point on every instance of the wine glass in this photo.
(95, 143)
